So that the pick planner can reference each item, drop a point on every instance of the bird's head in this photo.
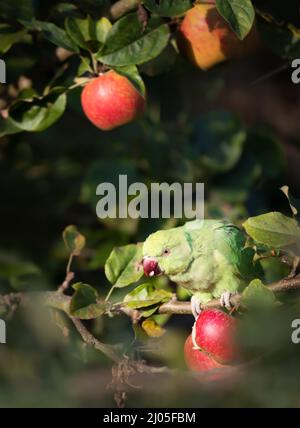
(166, 252)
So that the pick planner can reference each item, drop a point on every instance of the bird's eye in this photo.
(166, 252)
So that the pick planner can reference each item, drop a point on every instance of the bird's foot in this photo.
(225, 300)
(195, 306)
(295, 267)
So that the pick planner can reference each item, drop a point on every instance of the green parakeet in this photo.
(205, 256)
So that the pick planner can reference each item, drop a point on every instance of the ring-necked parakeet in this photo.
(205, 256)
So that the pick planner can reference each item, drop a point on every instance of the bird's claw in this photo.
(195, 306)
(225, 300)
(295, 267)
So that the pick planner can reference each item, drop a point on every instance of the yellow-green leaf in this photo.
(152, 329)
(123, 266)
(273, 229)
(74, 240)
(85, 302)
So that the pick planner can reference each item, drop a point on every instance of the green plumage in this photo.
(205, 256)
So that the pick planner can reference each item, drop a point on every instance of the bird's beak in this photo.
(151, 267)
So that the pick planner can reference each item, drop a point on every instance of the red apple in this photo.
(206, 39)
(196, 359)
(216, 334)
(210, 370)
(111, 100)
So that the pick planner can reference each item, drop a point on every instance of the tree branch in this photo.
(121, 7)
(59, 301)
(90, 340)
(176, 307)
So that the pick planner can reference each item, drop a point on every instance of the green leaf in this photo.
(123, 266)
(53, 33)
(103, 27)
(149, 311)
(85, 65)
(145, 295)
(127, 44)
(219, 140)
(273, 229)
(7, 127)
(8, 37)
(39, 113)
(257, 294)
(133, 75)
(73, 239)
(168, 8)
(294, 203)
(239, 14)
(78, 30)
(84, 303)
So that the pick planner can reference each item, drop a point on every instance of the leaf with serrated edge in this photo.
(273, 229)
(239, 14)
(127, 44)
(123, 266)
(146, 295)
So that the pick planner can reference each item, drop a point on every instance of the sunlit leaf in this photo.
(273, 229)
(74, 240)
(102, 29)
(39, 113)
(123, 266)
(145, 295)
